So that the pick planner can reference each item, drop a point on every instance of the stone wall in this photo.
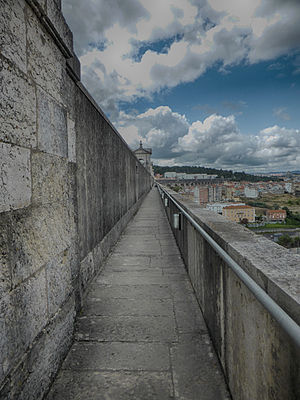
(63, 203)
(259, 360)
(110, 185)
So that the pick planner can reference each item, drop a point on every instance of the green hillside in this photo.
(222, 173)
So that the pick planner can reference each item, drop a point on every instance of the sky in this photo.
(212, 83)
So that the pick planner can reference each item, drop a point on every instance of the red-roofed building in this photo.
(276, 215)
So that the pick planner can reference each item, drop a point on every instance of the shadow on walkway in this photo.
(141, 334)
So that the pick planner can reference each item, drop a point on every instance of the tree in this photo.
(285, 241)
(288, 212)
(296, 241)
(176, 188)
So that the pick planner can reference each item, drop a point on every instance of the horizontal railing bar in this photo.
(283, 319)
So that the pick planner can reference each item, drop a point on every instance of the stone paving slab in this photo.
(188, 318)
(123, 307)
(118, 356)
(127, 268)
(170, 270)
(196, 373)
(132, 279)
(140, 334)
(122, 275)
(136, 292)
(167, 260)
(116, 260)
(127, 328)
(124, 385)
(145, 250)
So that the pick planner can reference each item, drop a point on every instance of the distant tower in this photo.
(144, 157)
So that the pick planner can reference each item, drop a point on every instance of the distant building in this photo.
(229, 192)
(218, 207)
(296, 189)
(144, 157)
(170, 175)
(277, 189)
(196, 195)
(238, 213)
(207, 194)
(276, 215)
(185, 176)
(288, 186)
(201, 194)
(181, 175)
(251, 193)
(200, 176)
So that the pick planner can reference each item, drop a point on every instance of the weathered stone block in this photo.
(58, 3)
(87, 270)
(46, 64)
(72, 190)
(30, 306)
(42, 3)
(18, 107)
(50, 179)
(74, 68)
(71, 140)
(5, 271)
(57, 20)
(15, 178)
(69, 96)
(13, 32)
(74, 262)
(23, 314)
(98, 256)
(34, 375)
(38, 235)
(7, 336)
(52, 126)
(59, 279)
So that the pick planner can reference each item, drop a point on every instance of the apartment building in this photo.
(238, 213)
(250, 192)
(218, 207)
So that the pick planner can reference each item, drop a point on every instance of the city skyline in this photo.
(200, 82)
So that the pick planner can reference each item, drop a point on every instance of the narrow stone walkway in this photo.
(141, 334)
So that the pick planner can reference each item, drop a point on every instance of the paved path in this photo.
(140, 334)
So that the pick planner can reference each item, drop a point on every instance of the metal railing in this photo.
(283, 319)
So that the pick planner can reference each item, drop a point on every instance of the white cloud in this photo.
(216, 141)
(159, 128)
(281, 35)
(282, 113)
(108, 35)
(222, 144)
(90, 20)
